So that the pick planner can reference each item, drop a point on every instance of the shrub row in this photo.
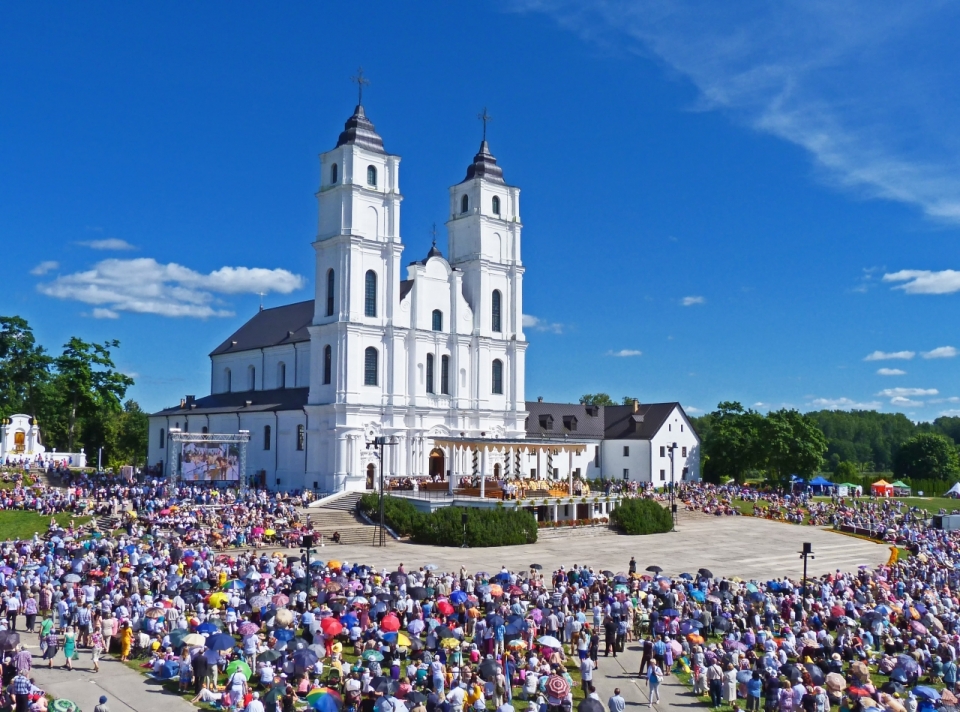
(444, 527)
(641, 516)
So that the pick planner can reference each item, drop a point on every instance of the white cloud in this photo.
(953, 412)
(890, 355)
(907, 392)
(941, 352)
(844, 404)
(532, 322)
(891, 372)
(690, 301)
(110, 243)
(44, 267)
(101, 313)
(624, 353)
(692, 409)
(905, 402)
(865, 88)
(951, 399)
(921, 281)
(145, 286)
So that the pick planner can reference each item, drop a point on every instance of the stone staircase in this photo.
(340, 515)
(598, 530)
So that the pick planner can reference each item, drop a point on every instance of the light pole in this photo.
(673, 486)
(806, 553)
(377, 444)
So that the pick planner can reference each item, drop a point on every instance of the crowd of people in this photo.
(242, 627)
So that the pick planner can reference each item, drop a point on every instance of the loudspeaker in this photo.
(463, 518)
(807, 547)
(307, 540)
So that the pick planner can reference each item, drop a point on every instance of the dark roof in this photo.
(359, 131)
(484, 166)
(405, 286)
(587, 426)
(279, 399)
(271, 327)
(623, 424)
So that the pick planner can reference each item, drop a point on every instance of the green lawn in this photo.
(18, 524)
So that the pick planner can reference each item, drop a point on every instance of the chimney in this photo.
(190, 399)
(183, 403)
(539, 399)
(636, 405)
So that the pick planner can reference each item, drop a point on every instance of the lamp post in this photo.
(806, 553)
(377, 444)
(673, 486)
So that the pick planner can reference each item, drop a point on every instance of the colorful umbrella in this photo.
(241, 666)
(557, 686)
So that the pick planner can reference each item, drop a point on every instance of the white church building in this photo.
(433, 359)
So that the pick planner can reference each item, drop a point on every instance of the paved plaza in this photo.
(728, 546)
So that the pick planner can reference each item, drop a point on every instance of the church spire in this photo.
(484, 164)
(359, 130)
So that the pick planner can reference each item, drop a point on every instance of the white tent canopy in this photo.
(955, 490)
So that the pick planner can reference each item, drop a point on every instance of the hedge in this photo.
(444, 527)
(641, 516)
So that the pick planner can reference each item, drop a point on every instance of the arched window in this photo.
(204, 430)
(227, 379)
(251, 378)
(370, 294)
(464, 204)
(437, 320)
(281, 375)
(496, 205)
(333, 174)
(445, 375)
(330, 288)
(370, 366)
(372, 176)
(496, 377)
(327, 365)
(429, 373)
(301, 437)
(163, 438)
(495, 304)
(266, 437)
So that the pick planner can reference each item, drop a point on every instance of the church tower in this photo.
(358, 252)
(484, 243)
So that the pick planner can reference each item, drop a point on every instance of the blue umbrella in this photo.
(302, 659)
(234, 584)
(326, 703)
(494, 620)
(688, 577)
(390, 638)
(349, 620)
(458, 597)
(698, 596)
(221, 641)
(504, 576)
(670, 612)
(283, 635)
(206, 628)
(928, 692)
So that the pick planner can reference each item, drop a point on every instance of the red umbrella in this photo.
(445, 608)
(557, 686)
(390, 623)
(331, 626)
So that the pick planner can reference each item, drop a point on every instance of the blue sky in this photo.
(748, 202)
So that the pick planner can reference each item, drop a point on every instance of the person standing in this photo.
(102, 707)
(647, 656)
(30, 610)
(654, 678)
(69, 647)
(13, 609)
(96, 648)
(609, 636)
(21, 688)
(715, 684)
(616, 703)
(586, 672)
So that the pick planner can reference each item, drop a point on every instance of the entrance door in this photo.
(371, 476)
(437, 464)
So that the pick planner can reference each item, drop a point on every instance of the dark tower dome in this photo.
(359, 131)
(484, 166)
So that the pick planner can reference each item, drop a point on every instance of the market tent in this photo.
(882, 488)
(953, 491)
(901, 488)
(821, 483)
(857, 488)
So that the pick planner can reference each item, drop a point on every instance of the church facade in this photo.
(432, 354)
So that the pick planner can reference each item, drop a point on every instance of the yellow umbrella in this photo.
(334, 564)
(194, 639)
(450, 643)
(284, 616)
(496, 589)
(218, 599)
(132, 515)
(269, 532)
(403, 640)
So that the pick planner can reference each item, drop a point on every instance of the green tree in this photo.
(845, 472)
(628, 400)
(125, 436)
(733, 446)
(596, 399)
(792, 445)
(89, 384)
(927, 456)
(24, 368)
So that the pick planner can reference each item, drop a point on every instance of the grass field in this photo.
(18, 524)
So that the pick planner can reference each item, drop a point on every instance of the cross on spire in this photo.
(433, 232)
(360, 81)
(485, 117)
